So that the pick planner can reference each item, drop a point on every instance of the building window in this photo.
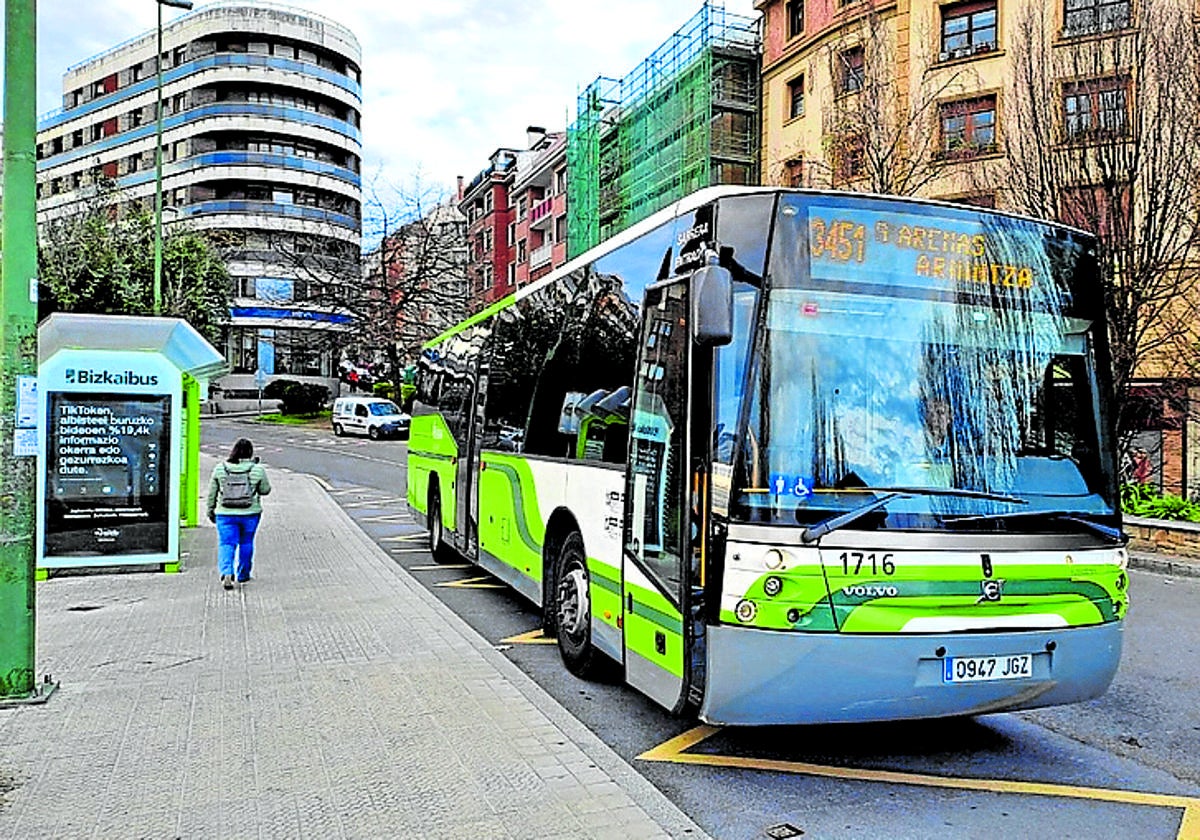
(969, 127)
(796, 98)
(1087, 17)
(795, 18)
(967, 29)
(851, 71)
(560, 229)
(512, 274)
(980, 199)
(850, 158)
(1095, 109)
(487, 202)
(560, 179)
(522, 253)
(793, 172)
(512, 234)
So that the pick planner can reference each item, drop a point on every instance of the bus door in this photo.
(466, 502)
(657, 527)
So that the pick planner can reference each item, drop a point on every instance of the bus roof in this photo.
(686, 205)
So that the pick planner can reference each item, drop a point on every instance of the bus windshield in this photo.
(973, 402)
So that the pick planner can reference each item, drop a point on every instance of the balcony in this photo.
(540, 213)
(540, 256)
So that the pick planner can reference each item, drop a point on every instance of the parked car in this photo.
(370, 416)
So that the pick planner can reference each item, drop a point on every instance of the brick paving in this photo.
(332, 696)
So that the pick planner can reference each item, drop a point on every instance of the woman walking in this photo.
(233, 503)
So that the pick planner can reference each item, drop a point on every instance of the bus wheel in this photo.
(572, 607)
(437, 536)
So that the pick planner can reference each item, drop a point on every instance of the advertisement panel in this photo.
(107, 460)
(108, 481)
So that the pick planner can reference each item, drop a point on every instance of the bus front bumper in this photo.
(763, 677)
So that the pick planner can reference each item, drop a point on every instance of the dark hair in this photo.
(243, 450)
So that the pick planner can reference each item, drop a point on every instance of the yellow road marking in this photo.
(439, 566)
(533, 637)
(484, 582)
(674, 751)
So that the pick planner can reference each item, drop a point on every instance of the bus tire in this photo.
(572, 609)
(437, 536)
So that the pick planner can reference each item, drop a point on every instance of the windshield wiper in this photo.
(1103, 530)
(815, 532)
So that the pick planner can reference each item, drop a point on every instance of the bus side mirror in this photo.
(712, 306)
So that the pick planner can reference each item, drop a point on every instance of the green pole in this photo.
(158, 196)
(18, 337)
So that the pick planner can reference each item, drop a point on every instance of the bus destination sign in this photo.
(935, 253)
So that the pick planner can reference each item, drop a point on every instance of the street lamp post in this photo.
(158, 132)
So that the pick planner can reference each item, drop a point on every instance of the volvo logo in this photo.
(990, 589)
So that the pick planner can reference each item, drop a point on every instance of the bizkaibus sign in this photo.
(108, 474)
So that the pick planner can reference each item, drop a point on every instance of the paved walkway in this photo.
(332, 696)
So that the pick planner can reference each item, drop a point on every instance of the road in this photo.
(1125, 764)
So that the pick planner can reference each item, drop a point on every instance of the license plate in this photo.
(961, 669)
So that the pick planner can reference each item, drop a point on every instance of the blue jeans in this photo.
(235, 532)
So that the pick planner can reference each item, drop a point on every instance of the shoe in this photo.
(227, 581)
(246, 579)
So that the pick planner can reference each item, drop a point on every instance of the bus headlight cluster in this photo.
(772, 586)
(773, 559)
(745, 611)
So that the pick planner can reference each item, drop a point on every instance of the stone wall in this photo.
(1179, 542)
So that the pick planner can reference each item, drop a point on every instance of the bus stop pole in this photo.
(18, 338)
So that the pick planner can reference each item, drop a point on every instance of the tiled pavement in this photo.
(332, 696)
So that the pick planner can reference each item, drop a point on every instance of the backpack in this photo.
(237, 491)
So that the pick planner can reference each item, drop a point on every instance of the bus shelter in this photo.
(119, 402)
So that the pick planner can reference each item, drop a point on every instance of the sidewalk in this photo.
(332, 696)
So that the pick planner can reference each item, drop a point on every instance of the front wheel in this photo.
(437, 536)
(373, 433)
(338, 431)
(573, 609)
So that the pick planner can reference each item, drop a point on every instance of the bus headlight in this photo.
(745, 611)
(772, 586)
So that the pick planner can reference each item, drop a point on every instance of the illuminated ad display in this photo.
(928, 252)
(108, 479)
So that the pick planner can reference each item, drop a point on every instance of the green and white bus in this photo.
(790, 457)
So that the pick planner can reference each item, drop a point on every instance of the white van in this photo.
(370, 416)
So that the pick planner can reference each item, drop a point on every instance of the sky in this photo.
(445, 82)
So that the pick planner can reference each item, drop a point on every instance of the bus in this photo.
(784, 456)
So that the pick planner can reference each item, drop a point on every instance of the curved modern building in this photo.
(261, 143)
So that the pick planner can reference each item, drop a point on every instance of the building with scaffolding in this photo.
(685, 118)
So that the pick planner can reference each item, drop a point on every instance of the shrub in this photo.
(383, 389)
(1145, 500)
(297, 397)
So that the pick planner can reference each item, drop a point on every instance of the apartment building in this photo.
(261, 144)
(517, 216)
(944, 99)
(539, 198)
(489, 215)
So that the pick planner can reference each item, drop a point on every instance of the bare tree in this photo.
(398, 293)
(414, 283)
(1104, 132)
(880, 128)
